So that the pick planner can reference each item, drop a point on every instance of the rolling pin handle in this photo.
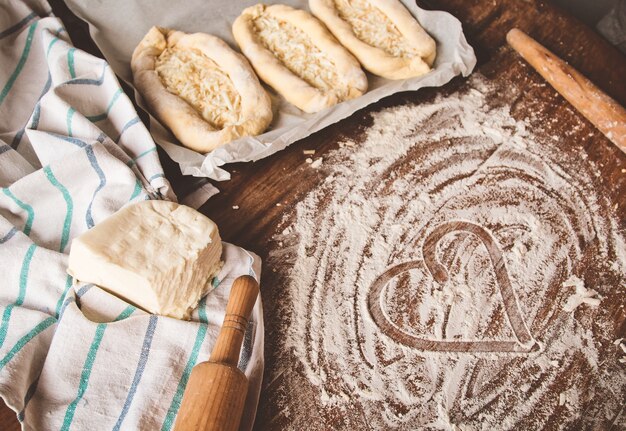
(215, 395)
(602, 111)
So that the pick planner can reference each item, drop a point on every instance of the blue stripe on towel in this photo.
(94, 163)
(4, 148)
(143, 359)
(18, 26)
(83, 290)
(126, 127)
(29, 395)
(8, 235)
(155, 176)
(37, 111)
(36, 114)
(78, 142)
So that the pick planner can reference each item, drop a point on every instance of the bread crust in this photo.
(352, 79)
(185, 122)
(375, 59)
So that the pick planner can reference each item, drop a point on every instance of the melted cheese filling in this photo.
(298, 53)
(373, 27)
(199, 81)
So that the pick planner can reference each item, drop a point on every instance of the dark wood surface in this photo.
(285, 177)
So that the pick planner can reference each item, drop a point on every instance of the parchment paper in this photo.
(117, 26)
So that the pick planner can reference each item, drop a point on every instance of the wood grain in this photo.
(215, 395)
(283, 179)
(524, 341)
(602, 111)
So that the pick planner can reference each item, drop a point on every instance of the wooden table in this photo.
(284, 177)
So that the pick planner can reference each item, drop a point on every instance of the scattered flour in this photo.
(418, 167)
(622, 345)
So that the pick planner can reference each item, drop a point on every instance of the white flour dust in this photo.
(458, 184)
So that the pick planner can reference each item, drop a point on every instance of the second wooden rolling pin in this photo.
(605, 113)
(216, 393)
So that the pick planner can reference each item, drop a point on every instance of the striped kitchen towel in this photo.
(72, 152)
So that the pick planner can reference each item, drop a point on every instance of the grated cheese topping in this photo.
(373, 27)
(199, 81)
(296, 51)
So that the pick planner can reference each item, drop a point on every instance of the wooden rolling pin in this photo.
(605, 113)
(216, 393)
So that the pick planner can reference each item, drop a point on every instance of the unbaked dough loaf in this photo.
(205, 92)
(382, 34)
(296, 55)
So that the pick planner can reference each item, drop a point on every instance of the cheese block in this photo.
(157, 255)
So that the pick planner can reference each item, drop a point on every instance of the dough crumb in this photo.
(317, 163)
(581, 296)
(309, 160)
(235, 207)
(308, 152)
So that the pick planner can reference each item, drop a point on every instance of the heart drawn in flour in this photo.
(523, 343)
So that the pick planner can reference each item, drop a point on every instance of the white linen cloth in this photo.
(72, 152)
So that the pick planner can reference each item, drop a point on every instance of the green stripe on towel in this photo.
(84, 377)
(105, 114)
(67, 224)
(6, 316)
(88, 366)
(25, 339)
(25, 207)
(68, 285)
(137, 189)
(20, 64)
(70, 62)
(182, 384)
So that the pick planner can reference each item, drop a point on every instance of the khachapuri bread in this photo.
(296, 55)
(203, 91)
(382, 34)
